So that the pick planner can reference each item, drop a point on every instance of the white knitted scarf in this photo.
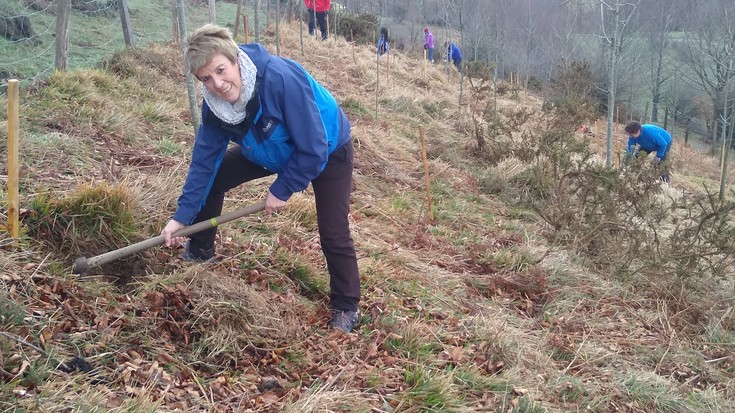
(234, 113)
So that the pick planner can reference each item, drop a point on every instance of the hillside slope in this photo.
(475, 311)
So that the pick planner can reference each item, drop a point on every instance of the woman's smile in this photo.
(221, 77)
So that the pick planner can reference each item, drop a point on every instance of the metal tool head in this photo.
(80, 266)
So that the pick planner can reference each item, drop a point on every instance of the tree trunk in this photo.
(278, 27)
(175, 22)
(193, 107)
(612, 84)
(256, 21)
(725, 150)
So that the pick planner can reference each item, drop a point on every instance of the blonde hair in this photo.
(205, 42)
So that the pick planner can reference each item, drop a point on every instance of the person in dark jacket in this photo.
(318, 9)
(649, 138)
(282, 122)
(454, 55)
(383, 42)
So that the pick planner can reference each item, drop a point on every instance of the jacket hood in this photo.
(258, 55)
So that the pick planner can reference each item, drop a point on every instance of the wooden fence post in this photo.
(425, 64)
(237, 19)
(63, 8)
(125, 20)
(245, 27)
(212, 12)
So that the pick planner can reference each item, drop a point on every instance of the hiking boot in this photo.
(197, 255)
(344, 320)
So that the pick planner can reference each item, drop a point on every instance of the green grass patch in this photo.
(171, 148)
(309, 283)
(469, 379)
(430, 392)
(11, 313)
(653, 394)
(354, 107)
(93, 219)
(413, 342)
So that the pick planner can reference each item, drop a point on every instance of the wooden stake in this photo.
(387, 67)
(424, 65)
(237, 18)
(426, 173)
(13, 105)
(245, 27)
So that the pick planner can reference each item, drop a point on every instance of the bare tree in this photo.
(478, 23)
(708, 49)
(658, 27)
(614, 18)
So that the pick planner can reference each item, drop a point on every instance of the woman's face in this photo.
(221, 77)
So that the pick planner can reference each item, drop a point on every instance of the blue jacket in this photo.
(382, 45)
(651, 139)
(454, 52)
(298, 125)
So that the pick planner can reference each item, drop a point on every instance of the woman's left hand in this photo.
(273, 204)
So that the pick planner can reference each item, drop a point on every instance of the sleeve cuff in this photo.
(279, 190)
(183, 217)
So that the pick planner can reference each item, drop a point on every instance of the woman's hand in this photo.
(170, 228)
(273, 204)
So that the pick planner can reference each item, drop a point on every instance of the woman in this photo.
(282, 122)
(429, 44)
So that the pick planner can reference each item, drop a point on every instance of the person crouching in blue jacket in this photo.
(281, 122)
(454, 55)
(649, 138)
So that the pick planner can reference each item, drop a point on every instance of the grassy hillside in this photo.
(522, 295)
(93, 35)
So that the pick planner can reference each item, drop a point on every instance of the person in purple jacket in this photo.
(649, 138)
(281, 122)
(429, 44)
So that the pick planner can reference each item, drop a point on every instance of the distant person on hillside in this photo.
(383, 42)
(429, 44)
(281, 122)
(318, 9)
(454, 55)
(649, 138)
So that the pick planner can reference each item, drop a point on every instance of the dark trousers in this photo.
(321, 18)
(332, 196)
(665, 176)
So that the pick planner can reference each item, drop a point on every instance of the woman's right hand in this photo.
(170, 228)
